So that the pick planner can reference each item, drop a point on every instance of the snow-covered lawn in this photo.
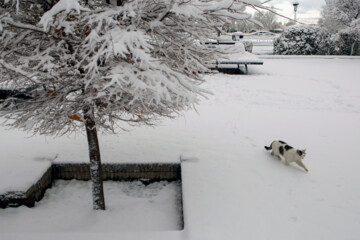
(233, 188)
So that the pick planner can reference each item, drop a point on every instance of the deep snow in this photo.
(68, 205)
(232, 187)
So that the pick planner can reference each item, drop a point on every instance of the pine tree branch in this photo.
(36, 29)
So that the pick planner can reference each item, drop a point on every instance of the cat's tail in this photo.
(268, 148)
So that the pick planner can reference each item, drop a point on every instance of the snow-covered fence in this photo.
(147, 173)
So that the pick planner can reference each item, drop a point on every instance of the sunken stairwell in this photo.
(147, 173)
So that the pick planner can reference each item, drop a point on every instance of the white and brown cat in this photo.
(290, 154)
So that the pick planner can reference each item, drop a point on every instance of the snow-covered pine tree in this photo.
(101, 66)
(343, 17)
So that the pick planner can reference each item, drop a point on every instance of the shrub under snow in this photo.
(346, 43)
(304, 40)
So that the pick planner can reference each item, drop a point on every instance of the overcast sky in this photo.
(306, 8)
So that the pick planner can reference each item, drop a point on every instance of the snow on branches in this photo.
(304, 40)
(344, 16)
(134, 63)
(62, 6)
(345, 11)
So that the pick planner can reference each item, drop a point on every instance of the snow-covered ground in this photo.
(233, 188)
(263, 49)
(68, 205)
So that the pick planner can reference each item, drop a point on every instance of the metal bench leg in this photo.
(246, 69)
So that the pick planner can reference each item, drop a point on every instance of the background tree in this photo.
(290, 23)
(268, 19)
(261, 20)
(332, 24)
(88, 64)
(343, 17)
(246, 26)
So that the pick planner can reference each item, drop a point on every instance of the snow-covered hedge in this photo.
(304, 40)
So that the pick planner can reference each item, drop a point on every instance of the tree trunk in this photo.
(95, 161)
(352, 48)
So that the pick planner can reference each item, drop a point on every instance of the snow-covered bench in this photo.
(234, 65)
(234, 61)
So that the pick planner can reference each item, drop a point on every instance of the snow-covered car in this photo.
(13, 98)
(260, 38)
(237, 36)
(277, 30)
(262, 34)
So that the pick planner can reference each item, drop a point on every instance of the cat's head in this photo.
(301, 153)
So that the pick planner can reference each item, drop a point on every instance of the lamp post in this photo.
(295, 4)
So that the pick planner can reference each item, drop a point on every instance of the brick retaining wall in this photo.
(81, 171)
